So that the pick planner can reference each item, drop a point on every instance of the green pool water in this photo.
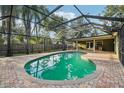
(61, 66)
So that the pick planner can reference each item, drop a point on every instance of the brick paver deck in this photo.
(12, 72)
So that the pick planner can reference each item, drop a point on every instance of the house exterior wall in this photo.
(108, 45)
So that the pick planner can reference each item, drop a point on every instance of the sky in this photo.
(69, 12)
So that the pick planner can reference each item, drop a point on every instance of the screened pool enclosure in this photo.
(30, 29)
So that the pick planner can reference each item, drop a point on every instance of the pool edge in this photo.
(87, 78)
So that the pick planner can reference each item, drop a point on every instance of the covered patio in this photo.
(98, 43)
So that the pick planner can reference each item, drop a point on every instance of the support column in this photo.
(44, 44)
(76, 45)
(89, 45)
(94, 45)
(9, 49)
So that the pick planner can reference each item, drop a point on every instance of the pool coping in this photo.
(87, 78)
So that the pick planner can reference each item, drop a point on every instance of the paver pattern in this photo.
(12, 73)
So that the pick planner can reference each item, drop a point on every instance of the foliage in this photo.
(50, 24)
(113, 11)
(21, 26)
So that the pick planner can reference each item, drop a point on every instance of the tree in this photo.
(1, 39)
(4, 11)
(113, 11)
(52, 23)
(30, 15)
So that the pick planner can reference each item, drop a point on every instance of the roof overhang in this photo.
(92, 38)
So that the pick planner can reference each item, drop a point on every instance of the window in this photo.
(89, 44)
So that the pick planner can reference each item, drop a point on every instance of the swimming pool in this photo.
(61, 66)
